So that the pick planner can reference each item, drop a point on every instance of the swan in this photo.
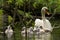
(45, 24)
(30, 32)
(9, 32)
(23, 31)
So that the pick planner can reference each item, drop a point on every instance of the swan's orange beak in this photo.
(47, 12)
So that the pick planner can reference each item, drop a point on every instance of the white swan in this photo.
(45, 24)
(30, 32)
(9, 32)
(23, 31)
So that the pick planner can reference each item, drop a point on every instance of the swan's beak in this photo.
(48, 13)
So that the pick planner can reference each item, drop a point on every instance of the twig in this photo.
(56, 27)
(53, 14)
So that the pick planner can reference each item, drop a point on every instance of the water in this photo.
(55, 34)
(45, 36)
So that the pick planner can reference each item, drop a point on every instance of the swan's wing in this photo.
(38, 22)
(47, 25)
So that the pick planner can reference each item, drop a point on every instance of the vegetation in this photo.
(27, 8)
(21, 11)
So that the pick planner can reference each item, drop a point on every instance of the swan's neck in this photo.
(43, 16)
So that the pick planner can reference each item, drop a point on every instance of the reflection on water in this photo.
(45, 36)
(54, 36)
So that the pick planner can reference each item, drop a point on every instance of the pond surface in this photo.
(55, 35)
